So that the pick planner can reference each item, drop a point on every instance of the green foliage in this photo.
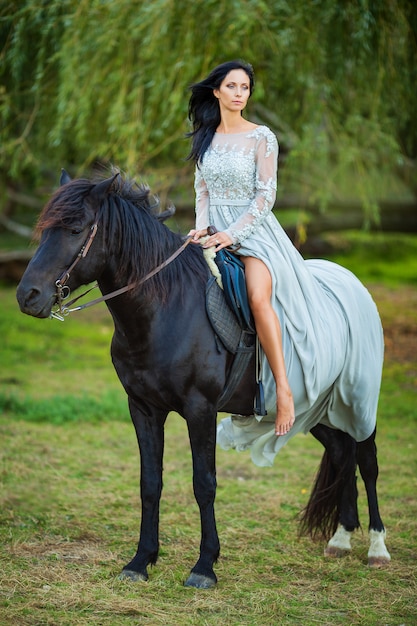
(93, 80)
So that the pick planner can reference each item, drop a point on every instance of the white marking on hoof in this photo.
(378, 555)
(339, 544)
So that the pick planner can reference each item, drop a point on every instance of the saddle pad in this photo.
(221, 317)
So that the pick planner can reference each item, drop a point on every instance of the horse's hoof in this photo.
(377, 562)
(198, 581)
(128, 574)
(335, 553)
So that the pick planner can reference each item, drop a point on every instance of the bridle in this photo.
(63, 291)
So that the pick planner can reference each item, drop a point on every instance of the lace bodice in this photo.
(238, 170)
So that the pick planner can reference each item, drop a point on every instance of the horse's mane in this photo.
(134, 234)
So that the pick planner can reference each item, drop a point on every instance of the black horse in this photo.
(168, 358)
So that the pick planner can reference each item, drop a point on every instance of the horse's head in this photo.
(67, 228)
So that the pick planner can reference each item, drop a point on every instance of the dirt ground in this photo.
(398, 308)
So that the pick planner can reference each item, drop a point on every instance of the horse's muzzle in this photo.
(33, 301)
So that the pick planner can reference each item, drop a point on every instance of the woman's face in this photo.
(234, 91)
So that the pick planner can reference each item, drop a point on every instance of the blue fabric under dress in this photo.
(331, 331)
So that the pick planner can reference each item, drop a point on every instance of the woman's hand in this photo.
(197, 235)
(219, 240)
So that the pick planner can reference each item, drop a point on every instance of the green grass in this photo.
(374, 257)
(66, 408)
(34, 351)
(69, 496)
(70, 517)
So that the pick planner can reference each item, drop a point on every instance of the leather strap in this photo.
(66, 308)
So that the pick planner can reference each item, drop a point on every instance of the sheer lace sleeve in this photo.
(266, 160)
(201, 201)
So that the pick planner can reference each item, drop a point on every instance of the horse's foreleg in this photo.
(203, 443)
(378, 554)
(150, 435)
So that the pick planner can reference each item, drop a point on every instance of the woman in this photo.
(235, 185)
(325, 365)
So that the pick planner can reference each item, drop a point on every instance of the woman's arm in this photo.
(266, 161)
(202, 201)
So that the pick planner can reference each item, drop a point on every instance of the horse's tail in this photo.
(320, 517)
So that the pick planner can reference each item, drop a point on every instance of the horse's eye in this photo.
(76, 231)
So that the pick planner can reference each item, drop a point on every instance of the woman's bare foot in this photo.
(284, 428)
(285, 415)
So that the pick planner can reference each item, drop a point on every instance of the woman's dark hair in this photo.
(204, 109)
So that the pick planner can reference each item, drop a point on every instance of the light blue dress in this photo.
(332, 335)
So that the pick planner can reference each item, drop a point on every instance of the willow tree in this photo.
(107, 80)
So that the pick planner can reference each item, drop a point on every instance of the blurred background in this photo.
(89, 83)
(85, 84)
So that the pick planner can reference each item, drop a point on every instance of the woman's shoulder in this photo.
(264, 131)
(264, 134)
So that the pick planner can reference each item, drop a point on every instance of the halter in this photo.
(63, 291)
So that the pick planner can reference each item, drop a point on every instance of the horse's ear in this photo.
(65, 177)
(102, 189)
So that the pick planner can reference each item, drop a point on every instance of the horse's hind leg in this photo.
(378, 554)
(332, 508)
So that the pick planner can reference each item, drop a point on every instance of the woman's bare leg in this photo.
(268, 328)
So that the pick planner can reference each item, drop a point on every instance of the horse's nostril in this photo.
(32, 296)
(27, 298)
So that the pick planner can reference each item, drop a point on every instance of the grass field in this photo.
(69, 497)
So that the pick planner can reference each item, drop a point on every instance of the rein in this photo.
(63, 291)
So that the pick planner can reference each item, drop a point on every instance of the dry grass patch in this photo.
(70, 519)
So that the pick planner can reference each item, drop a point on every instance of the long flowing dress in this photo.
(332, 335)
